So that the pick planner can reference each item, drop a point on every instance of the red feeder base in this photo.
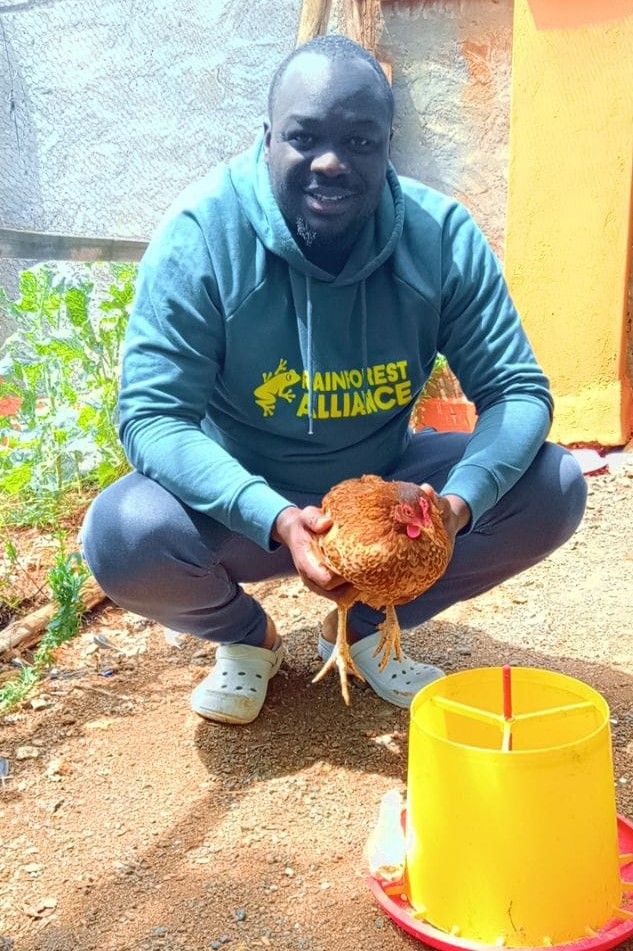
(614, 932)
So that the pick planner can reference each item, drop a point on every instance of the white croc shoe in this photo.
(401, 679)
(235, 690)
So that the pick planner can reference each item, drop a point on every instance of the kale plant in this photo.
(62, 364)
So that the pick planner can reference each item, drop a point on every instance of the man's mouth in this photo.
(328, 201)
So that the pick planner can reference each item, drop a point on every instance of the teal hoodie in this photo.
(249, 372)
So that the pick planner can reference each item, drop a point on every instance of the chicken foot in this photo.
(341, 657)
(389, 637)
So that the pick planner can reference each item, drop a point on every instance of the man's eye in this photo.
(301, 140)
(358, 142)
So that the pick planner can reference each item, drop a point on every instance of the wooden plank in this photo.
(362, 22)
(28, 630)
(313, 19)
(39, 246)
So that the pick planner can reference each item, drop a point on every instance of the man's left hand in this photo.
(455, 512)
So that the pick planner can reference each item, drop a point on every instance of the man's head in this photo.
(327, 143)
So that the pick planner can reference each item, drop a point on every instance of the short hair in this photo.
(332, 46)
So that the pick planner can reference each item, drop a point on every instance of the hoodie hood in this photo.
(375, 243)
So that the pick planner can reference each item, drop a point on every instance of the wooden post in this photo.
(313, 20)
(363, 23)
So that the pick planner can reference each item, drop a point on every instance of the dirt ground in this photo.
(128, 824)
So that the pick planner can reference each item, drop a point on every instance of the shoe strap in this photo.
(246, 653)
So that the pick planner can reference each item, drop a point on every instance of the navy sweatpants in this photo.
(155, 556)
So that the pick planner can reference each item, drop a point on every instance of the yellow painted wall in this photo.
(568, 237)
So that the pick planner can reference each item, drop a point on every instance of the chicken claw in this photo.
(389, 638)
(341, 658)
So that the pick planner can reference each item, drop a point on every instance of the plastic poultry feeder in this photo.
(511, 827)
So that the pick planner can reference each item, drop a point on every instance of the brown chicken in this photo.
(389, 542)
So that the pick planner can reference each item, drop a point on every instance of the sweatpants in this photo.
(157, 557)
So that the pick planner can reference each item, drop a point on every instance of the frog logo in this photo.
(276, 386)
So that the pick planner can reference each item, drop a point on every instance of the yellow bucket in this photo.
(511, 816)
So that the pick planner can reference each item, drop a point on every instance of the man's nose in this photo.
(329, 162)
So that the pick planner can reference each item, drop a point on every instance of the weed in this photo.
(66, 579)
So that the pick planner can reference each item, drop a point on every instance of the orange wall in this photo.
(568, 237)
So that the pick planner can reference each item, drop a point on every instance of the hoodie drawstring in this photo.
(310, 354)
(363, 326)
(309, 344)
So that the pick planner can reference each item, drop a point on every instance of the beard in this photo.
(327, 251)
(307, 236)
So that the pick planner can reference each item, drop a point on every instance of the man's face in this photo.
(327, 148)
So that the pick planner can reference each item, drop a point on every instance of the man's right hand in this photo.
(297, 528)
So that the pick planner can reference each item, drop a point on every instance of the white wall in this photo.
(118, 104)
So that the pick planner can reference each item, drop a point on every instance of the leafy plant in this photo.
(66, 578)
(440, 368)
(62, 365)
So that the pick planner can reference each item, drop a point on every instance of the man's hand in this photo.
(297, 528)
(455, 512)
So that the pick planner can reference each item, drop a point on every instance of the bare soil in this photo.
(128, 824)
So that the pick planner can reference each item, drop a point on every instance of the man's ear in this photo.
(266, 139)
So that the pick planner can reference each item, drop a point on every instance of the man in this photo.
(288, 313)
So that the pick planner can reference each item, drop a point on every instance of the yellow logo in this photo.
(276, 386)
(338, 394)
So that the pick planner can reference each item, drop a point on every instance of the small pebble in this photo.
(159, 932)
(26, 752)
(39, 703)
(46, 903)
(240, 915)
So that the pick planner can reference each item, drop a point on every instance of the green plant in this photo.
(66, 579)
(62, 364)
(440, 368)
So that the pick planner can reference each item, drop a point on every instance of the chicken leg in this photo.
(341, 657)
(389, 637)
